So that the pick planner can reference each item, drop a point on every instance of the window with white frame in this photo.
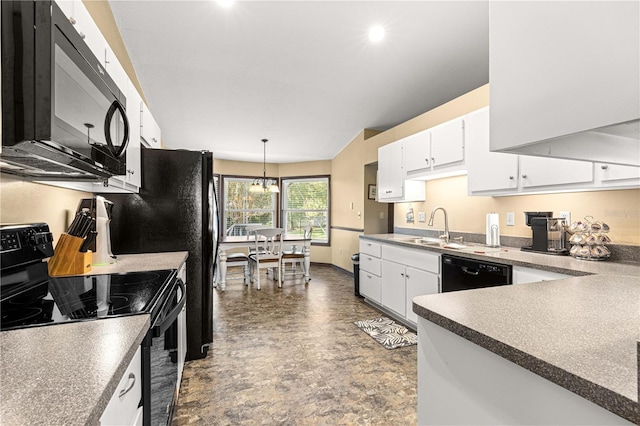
(242, 207)
(305, 202)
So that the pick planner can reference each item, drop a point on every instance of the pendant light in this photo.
(263, 184)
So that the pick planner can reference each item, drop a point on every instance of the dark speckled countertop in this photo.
(581, 333)
(66, 373)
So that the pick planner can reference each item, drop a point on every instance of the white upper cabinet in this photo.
(132, 179)
(392, 186)
(538, 172)
(565, 78)
(390, 178)
(616, 175)
(488, 172)
(417, 150)
(494, 173)
(436, 152)
(150, 134)
(447, 144)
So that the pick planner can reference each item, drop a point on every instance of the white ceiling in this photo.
(302, 74)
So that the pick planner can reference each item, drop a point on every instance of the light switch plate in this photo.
(381, 215)
(511, 219)
(421, 217)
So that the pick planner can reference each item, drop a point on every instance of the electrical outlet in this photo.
(567, 217)
(511, 219)
(422, 217)
(381, 215)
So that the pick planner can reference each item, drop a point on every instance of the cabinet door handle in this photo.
(132, 380)
(604, 167)
(369, 276)
(433, 160)
(510, 177)
(524, 176)
(407, 275)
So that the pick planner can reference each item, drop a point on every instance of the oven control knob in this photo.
(37, 238)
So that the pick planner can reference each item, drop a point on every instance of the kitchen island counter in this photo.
(579, 333)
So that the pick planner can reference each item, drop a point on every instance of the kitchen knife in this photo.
(88, 241)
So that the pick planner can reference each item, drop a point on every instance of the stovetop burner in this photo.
(66, 299)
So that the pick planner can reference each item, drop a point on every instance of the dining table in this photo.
(293, 242)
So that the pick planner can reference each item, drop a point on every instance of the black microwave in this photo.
(63, 117)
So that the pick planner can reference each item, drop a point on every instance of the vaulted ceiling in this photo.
(302, 74)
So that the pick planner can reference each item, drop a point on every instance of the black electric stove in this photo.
(29, 297)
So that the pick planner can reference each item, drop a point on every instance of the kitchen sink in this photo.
(430, 241)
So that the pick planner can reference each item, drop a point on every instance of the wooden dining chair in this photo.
(295, 257)
(267, 253)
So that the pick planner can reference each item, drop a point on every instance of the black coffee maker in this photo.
(548, 233)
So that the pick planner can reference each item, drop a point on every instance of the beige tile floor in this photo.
(293, 356)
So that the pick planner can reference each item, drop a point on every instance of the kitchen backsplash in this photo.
(27, 202)
(620, 209)
(619, 253)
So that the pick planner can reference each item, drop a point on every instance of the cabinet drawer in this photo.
(419, 259)
(370, 248)
(370, 286)
(370, 264)
(122, 410)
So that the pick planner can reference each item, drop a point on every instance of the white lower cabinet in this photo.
(400, 275)
(393, 292)
(370, 286)
(370, 267)
(419, 283)
(522, 275)
(123, 406)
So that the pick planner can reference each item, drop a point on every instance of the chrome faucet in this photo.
(444, 236)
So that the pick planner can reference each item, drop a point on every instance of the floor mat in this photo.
(388, 333)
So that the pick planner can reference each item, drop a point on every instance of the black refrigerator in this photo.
(176, 210)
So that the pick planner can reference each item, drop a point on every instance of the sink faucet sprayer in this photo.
(444, 236)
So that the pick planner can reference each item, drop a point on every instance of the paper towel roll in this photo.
(493, 230)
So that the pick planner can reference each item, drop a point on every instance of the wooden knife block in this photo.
(67, 258)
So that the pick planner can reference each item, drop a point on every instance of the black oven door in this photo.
(160, 366)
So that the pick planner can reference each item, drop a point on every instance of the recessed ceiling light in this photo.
(225, 3)
(376, 33)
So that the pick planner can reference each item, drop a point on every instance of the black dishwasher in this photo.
(459, 273)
